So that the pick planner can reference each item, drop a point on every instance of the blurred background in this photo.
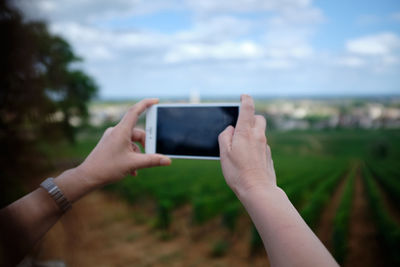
(325, 75)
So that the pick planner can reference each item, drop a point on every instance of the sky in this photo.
(178, 48)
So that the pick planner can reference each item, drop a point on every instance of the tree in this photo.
(37, 81)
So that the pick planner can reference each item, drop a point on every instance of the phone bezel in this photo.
(151, 127)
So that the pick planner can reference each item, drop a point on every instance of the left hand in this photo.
(245, 154)
(116, 154)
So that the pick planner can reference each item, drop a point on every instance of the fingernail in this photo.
(165, 161)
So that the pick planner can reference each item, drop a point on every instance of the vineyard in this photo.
(344, 183)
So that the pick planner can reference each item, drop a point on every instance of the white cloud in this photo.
(350, 61)
(221, 47)
(293, 11)
(378, 44)
(391, 59)
(223, 6)
(216, 43)
(215, 29)
(222, 51)
(100, 44)
(296, 17)
(85, 11)
(201, 44)
(378, 53)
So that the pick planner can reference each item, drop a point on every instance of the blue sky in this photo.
(224, 48)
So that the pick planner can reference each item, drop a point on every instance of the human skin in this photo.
(25, 221)
(249, 171)
(247, 166)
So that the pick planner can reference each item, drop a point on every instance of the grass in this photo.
(342, 219)
(320, 197)
(256, 243)
(388, 175)
(389, 230)
(219, 248)
(308, 165)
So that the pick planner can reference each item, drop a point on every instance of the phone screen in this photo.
(192, 131)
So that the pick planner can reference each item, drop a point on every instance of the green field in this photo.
(310, 166)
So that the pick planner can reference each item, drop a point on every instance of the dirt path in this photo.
(103, 230)
(325, 226)
(364, 249)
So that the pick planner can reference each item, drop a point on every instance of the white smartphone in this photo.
(188, 130)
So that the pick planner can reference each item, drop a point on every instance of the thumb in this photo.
(150, 160)
(225, 139)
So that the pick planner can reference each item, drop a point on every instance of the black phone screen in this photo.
(192, 131)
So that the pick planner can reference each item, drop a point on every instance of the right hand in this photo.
(116, 155)
(245, 155)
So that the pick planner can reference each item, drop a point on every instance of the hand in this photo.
(245, 155)
(116, 154)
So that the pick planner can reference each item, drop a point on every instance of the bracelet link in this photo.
(56, 194)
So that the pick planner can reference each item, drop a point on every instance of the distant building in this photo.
(194, 96)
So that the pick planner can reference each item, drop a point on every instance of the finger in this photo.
(225, 139)
(136, 148)
(150, 160)
(268, 152)
(260, 123)
(246, 114)
(108, 131)
(134, 173)
(138, 135)
(130, 118)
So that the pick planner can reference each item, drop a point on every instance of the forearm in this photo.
(287, 238)
(26, 221)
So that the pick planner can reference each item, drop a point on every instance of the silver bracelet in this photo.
(55, 192)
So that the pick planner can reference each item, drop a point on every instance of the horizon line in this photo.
(257, 96)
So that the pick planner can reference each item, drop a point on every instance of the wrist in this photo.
(74, 183)
(256, 192)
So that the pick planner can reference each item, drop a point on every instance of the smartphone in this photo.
(188, 130)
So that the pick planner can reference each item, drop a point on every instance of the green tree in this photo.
(37, 80)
